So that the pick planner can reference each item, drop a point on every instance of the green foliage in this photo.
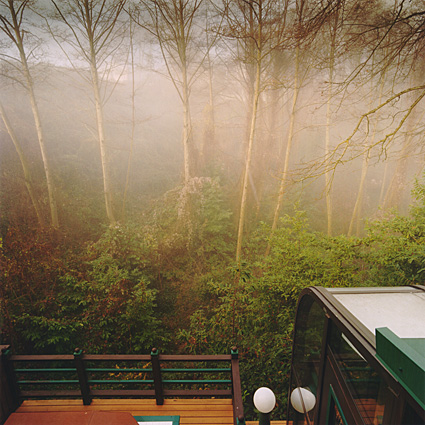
(172, 274)
(104, 306)
(252, 305)
(121, 316)
(194, 219)
(300, 257)
(192, 235)
(397, 251)
(243, 317)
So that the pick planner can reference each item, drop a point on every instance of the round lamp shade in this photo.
(264, 400)
(300, 395)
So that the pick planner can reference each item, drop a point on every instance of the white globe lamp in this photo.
(302, 400)
(264, 400)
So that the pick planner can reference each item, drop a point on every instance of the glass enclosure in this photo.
(335, 416)
(338, 375)
(411, 417)
(364, 383)
(307, 353)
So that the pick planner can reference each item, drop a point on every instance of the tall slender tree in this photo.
(12, 25)
(25, 166)
(256, 29)
(368, 145)
(209, 144)
(133, 109)
(394, 31)
(289, 140)
(301, 41)
(175, 25)
(302, 38)
(333, 29)
(94, 33)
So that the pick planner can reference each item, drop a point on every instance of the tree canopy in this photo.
(174, 173)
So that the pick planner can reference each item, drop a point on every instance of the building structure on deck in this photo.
(359, 357)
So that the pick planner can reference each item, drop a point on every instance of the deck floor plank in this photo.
(191, 411)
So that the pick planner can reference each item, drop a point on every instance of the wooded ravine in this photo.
(173, 173)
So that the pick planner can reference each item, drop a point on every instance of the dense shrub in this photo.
(255, 310)
(169, 280)
(100, 300)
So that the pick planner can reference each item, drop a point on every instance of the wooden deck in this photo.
(271, 422)
(94, 391)
(200, 389)
(192, 411)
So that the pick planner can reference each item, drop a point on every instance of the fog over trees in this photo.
(284, 97)
(151, 149)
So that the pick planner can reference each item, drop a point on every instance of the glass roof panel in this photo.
(403, 312)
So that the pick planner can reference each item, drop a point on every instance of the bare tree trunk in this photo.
(359, 198)
(25, 167)
(188, 152)
(107, 189)
(37, 120)
(256, 97)
(133, 119)
(384, 181)
(211, 105)
(96, 32)
(259, 165)
(46, 162)
(283, 181)
(209, 150)
(187, 129)
(328, 179)
(365, 166)
(272, 116)
(104, 157)
(173, 24)
(398, 182)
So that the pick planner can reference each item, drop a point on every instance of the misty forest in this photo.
(174, 172)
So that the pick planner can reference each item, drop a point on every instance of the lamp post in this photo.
(264, 401)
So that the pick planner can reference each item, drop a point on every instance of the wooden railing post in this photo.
(82, 376)
(9, 392)
(238, 415)
(157, 378)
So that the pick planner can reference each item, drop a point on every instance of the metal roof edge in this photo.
(405, 363)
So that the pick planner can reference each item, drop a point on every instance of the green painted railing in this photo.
(127, 375)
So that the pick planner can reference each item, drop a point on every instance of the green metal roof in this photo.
(405, 359)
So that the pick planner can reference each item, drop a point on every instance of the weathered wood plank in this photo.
(134, 402)
(195, 358)
(271, 423)
(143, 411)
(67, 418)
(181, 401)
(191, 411)
(42, 357)
(43, 418)
(204, 421)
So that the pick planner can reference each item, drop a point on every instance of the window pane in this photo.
(410, 417)
(364, 383)
(307, 347)
(335, 417)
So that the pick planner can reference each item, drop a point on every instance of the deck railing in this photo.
(120, 376)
